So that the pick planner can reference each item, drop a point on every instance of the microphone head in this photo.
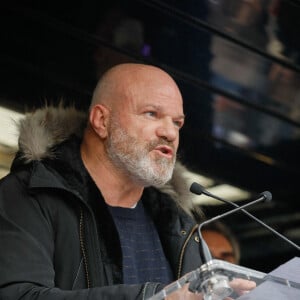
(196, 188)
(267, 195)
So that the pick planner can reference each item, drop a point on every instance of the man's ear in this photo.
(98, 118)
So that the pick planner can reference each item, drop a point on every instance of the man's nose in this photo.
(167, 130)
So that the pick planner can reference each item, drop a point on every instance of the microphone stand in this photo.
(198, 189)
(206, 252)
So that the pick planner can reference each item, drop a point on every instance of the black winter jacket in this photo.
(57, 238)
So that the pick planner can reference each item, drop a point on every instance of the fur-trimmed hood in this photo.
(41, 130)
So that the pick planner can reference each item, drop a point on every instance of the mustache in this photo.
(153, 144)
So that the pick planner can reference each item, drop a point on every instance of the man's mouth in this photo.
(165, 151)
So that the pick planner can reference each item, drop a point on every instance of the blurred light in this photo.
(3, 172)
(191, 177)
(293, 233)
(226, 191)
(9, 129)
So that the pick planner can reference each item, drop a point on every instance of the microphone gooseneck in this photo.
(198, 189)
(206, 253)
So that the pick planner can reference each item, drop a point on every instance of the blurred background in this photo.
(237, 63)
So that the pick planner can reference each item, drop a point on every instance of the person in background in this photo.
(221, 242)
(87, 211)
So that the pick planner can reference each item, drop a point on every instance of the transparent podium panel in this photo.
(216, 280)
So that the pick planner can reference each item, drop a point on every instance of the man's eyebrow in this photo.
(158, 107)
(154, 106)
(179, 118)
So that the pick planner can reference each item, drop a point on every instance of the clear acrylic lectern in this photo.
(213, 281)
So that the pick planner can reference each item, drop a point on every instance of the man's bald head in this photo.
(122, 80)
(135, 117)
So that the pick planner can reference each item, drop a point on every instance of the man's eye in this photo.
(178, 124)
(151, 113)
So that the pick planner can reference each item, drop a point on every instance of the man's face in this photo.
(144, 134)
(219, 246)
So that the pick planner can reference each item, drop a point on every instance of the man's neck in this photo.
(116, 187)
(118, 192)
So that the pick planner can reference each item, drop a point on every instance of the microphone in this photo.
(265, 196)
(198, 189)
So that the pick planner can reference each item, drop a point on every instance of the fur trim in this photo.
(179, 189)
(41, 130)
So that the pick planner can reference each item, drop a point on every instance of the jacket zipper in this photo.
(183, 250)
(83, 249)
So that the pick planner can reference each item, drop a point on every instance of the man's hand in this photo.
(242, 286)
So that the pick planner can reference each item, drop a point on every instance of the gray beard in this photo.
(133, 158)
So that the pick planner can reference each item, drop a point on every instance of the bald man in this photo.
(95, 211)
